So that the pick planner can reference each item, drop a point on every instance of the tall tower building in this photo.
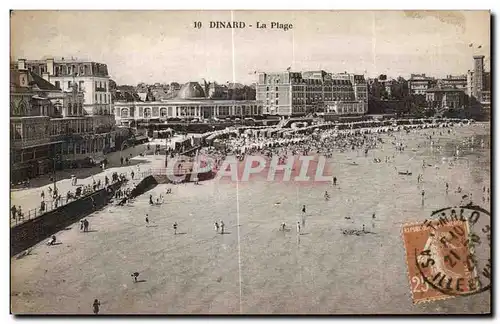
(478, 76)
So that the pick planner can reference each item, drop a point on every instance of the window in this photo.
(276, 101)
(96, 86)
(58, 84)
(276, 88)
(147, 113)
(80, 85)
(276, 95)
(96, 97)
(163, 112)
(69, 85)
(267, 88)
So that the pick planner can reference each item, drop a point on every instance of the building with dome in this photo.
(191, 102)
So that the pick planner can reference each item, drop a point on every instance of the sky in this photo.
(164, 46)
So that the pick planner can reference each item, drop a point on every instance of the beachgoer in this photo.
(13, 210)
(53, 240)
(96, 306)
(221, 227)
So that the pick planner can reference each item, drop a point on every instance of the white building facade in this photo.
(91, 78)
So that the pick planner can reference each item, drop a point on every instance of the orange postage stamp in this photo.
(438, 259)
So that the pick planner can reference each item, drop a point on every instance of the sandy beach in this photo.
(254, 268)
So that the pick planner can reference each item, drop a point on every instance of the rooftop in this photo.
(191, 90)
(34, 80)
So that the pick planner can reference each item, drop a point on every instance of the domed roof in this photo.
(191, 90)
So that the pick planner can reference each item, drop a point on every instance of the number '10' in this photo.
(197, 24)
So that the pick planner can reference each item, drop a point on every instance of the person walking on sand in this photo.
(175, 228)
(13, 210)
(423, 197)
(221, 227)
(147, 220)
(447, 188)
(216, 227)
(96, 306)
(298, 228)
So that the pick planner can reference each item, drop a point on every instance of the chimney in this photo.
(21, 64)
(45, 76)
(50, 66)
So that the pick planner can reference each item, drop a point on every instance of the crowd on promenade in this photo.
(53, 198)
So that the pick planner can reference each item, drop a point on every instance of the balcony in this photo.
(29, 131)
(25, 143)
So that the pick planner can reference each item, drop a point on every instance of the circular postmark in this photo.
(456, 257)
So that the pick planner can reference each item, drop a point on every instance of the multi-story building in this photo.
(454, 81)
(91, 78)
(419, 84)
(49, 127)
(299, 93)
(446, 98)
(190, 103)
(479, 84)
